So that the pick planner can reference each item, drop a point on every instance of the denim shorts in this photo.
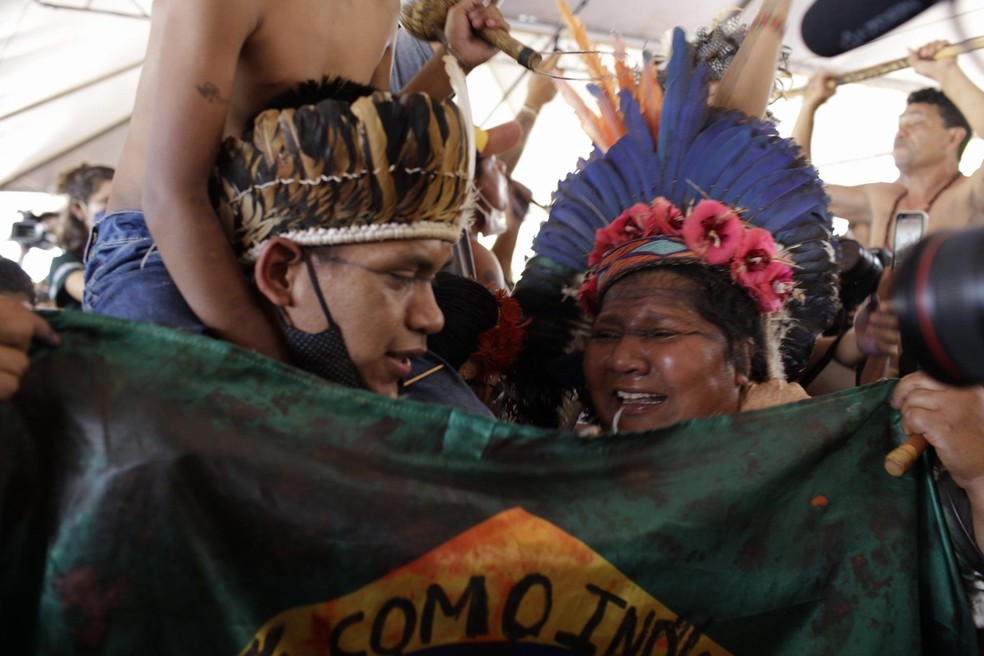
(125, 276)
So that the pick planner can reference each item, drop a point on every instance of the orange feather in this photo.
(598, 71)
(589, 121)
(626, 79)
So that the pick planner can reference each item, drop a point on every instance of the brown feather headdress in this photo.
(380, 168)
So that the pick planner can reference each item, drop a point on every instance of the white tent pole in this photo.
(140, 12)
(64, 151)
(69, 91)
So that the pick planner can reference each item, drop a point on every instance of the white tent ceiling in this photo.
(68, 68)
(641, 21)
(67, 82)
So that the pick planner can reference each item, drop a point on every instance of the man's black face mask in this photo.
(322, 354)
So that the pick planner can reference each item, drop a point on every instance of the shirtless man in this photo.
(927, 150)
(209, 69)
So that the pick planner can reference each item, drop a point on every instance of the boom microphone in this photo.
(832, 27)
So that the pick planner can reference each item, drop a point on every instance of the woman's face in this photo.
(653, 360)
(94, 204)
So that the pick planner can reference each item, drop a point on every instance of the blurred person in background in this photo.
(87, 188)
(489, 218)
(540, 90)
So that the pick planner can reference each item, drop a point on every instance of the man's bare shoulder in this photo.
(957, 207)
(863, 203)
(873, 188)
(306, 39)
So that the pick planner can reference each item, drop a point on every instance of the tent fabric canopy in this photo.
(67, 82)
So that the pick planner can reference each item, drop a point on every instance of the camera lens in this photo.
(26, 232)
(939, 301)
(860, 271)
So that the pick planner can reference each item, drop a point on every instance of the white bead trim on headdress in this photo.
(363, 234)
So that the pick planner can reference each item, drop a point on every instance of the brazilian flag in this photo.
(162, 493)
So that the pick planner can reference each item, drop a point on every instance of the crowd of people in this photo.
(333, 261)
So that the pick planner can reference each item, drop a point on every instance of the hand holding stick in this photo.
(424, 19)
(877, 334)
(951, 419)
(894, 65)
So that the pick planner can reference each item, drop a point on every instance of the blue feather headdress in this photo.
(698, 153)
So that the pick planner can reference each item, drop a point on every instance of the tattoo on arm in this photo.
(210, 93)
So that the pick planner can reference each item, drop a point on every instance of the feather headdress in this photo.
(679, 150)
(379, 168)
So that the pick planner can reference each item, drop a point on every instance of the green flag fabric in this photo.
(162, 493)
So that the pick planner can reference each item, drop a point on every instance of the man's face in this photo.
(381, 297)
(922, 137)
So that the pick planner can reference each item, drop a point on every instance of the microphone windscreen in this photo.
(832, 27)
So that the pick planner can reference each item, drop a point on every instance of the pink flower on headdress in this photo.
(767, 280)
(756, 250)
(661, 217)
(630, 224)
(774, 285)
(714, 231)
(666, 216)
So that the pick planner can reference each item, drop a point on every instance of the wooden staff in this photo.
(903, 457)
(424, 19)
(895, 65)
